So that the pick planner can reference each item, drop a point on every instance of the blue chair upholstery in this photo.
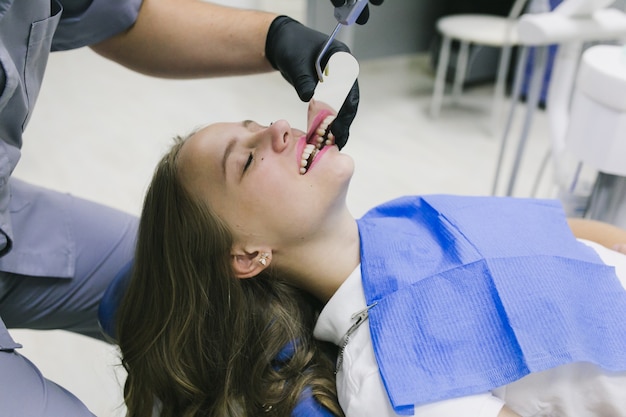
(309, 407)
(111, 300)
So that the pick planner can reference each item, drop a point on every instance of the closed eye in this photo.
(248, 162)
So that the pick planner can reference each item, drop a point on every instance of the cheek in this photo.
(283, 194)
(266, 194)
(283, 200)
(275, 179)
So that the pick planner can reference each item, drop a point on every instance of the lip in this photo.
(317, 121)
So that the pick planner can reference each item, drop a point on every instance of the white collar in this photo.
(336, 317)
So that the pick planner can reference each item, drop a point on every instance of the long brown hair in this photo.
(195, 341)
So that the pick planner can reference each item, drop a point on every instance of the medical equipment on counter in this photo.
(582, 8)
(570, 25)
(345, 15)
(596, 133)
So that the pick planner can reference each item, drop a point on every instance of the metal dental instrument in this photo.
(345, 15)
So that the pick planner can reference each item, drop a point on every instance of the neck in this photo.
(322, 264)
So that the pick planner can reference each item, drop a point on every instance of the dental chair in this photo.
(306, 407)
(571, 25)
(596, 134)
(112, 299)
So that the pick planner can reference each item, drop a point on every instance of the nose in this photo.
(281, 135)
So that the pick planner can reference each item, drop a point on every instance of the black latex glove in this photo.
(365, 14)
(292, 49)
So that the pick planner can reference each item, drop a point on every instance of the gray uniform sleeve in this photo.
(85, 22)
(25, 392)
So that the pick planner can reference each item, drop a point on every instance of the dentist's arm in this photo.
(620, 247)
(194, 39)
(191, 39)
(507, 412)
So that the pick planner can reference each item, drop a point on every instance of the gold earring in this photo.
(264, 257)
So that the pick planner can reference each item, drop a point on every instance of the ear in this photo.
(248, 264)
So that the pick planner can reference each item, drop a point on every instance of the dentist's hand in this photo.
(365, 14)
(292, 49)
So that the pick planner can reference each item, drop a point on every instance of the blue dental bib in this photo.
(473, 293)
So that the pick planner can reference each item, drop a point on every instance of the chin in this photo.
(341, 166)
(343, 171)
(349, 169)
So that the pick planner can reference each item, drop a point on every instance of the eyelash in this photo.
(248, 162)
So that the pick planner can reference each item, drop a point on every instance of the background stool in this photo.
(480, 29)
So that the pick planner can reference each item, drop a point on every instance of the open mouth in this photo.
(317, 138)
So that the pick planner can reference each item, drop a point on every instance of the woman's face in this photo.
(253, 177)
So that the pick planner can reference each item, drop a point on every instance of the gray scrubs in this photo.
(58, 253)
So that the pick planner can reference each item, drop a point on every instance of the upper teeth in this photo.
(308, 154)
(322, 138)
